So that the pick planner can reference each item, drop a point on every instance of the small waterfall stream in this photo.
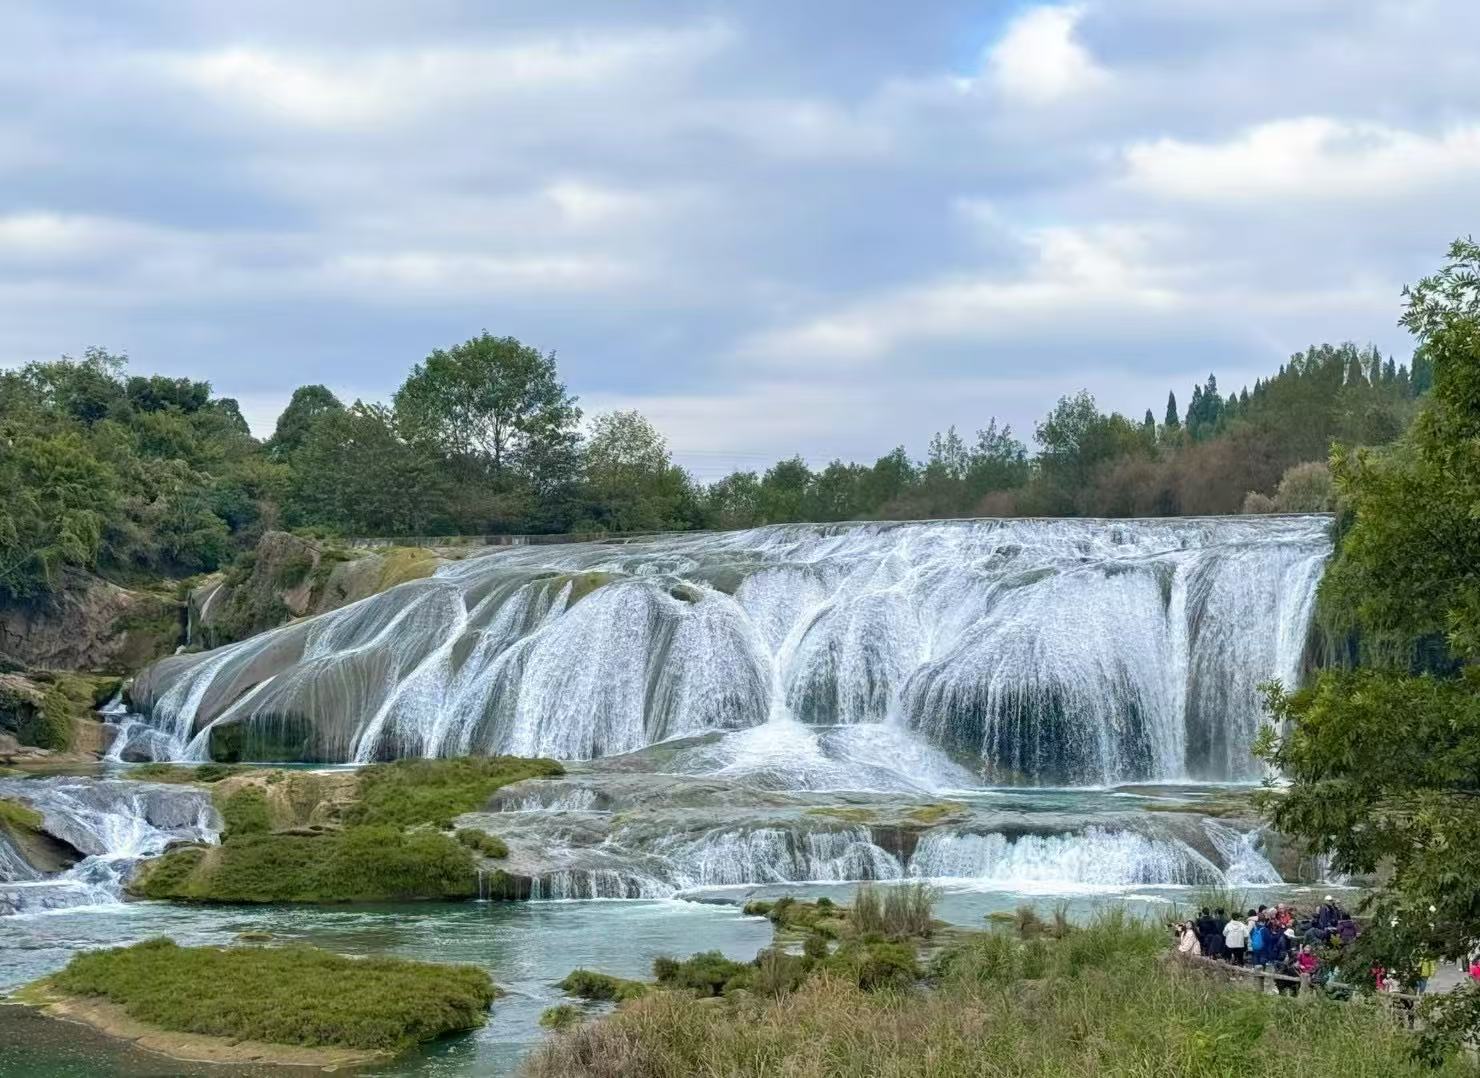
(112, 824)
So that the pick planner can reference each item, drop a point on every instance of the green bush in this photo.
(588, 984)
(283, 995)
(482, 842)
(562, 1016)
(875, 964)
(705, 974)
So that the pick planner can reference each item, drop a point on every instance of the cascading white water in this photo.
(1095, 857)
(113, 824)
(1240, 850)
(775, 855)
(1049, 652)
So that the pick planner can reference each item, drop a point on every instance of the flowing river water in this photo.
(1006, 708)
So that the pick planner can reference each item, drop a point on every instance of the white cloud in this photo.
(1110, 269)
(366, 89)
(415, 274)
(1314, 158)
(1038, 60)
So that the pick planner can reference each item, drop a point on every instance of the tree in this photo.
(782, 489)
(307, 406)
(998, 461)
(633, 483)
(734, 501)
(357, 474)
(1384, 761)
(890, 478)
(58, 496)
(1171, 422)
(491, 400)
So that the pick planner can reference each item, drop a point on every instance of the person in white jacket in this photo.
(1236, 939)
(1188, 944)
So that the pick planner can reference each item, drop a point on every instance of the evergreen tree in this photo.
(1172, 422)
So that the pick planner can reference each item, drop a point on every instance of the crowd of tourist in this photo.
(1282, 940)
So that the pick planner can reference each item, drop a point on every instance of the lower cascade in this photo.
(1085, 860)
(109, 826)
(1028, 652)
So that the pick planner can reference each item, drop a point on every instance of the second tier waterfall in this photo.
(1047, 652)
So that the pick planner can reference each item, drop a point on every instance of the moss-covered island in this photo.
(290, 1005)
(383, 833)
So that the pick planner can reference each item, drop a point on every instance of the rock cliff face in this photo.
(91, 624)
(289, 577)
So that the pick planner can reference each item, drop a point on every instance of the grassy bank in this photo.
(282, 995)
(1098, 1001)
(289, 838)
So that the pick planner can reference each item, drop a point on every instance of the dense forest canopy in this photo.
(148, 476)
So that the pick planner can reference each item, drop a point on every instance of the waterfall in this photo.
(113, 824)
(776, 855)
(1094, 857)
(1034, 652)
(1240, 850)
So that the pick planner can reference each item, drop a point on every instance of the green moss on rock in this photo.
(295, 995)
(361, 864)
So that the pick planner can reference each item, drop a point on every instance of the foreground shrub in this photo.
(894, 912)
(1096, 1009)
(561, 1016)
(705, 974)
(875, 964)
(283, 995)
(588, 984)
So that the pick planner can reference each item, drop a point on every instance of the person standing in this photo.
(1426, 970)
(1188, 943)
(1236, 939)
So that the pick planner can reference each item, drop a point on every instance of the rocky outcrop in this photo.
(44, 714)
(286, 577)
(91, 624)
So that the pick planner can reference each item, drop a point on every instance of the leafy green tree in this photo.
(356, 473)
(782, 490)
(734, 501)
(890, 478)
(307, 406)
(157, 393)
(632, 480)
(58, 497)
(835, 492)
(1384, 761)
(997, 462)
(1172, 420)
(489, 399)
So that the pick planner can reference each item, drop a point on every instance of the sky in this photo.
(823, 228)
